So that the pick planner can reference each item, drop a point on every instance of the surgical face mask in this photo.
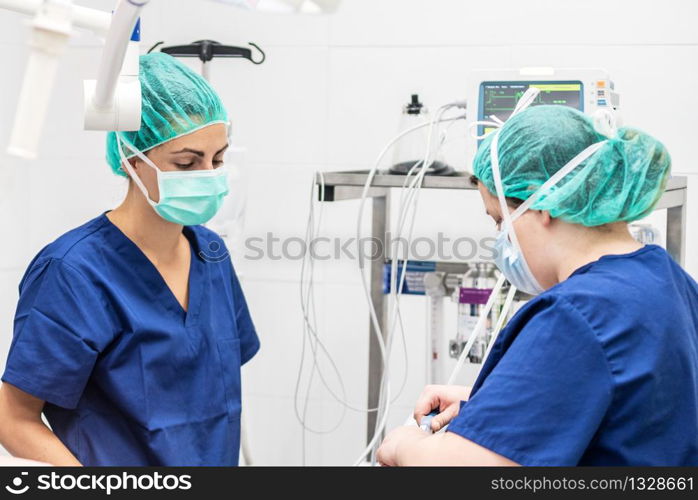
(188, 198)
(508, 255)
(511, 262)
(509, 258)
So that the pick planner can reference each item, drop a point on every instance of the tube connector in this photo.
(125, 112)
(461, 103)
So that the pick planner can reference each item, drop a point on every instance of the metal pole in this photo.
(118, 39)
(676, 230)
(206, 71)
(436, 339)
(379, 224)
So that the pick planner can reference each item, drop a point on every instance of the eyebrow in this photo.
(197, 152)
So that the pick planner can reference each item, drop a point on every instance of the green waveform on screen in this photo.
(500, 99)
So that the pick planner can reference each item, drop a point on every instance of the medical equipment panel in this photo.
(494, 93)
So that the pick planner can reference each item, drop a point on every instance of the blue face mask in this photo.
(188, 198)
(508, 255)
(511, 262)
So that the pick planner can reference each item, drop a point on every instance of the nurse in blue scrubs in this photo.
(131, 329)
(601, 366)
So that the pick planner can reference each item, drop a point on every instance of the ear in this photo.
(135, 163)
(545, 218)
(134, 166)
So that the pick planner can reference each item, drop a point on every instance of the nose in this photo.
(209, 164)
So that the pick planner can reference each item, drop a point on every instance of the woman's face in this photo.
(533, 232)
(200, 150)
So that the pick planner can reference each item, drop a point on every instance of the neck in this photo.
(581, 245)
(142, 225)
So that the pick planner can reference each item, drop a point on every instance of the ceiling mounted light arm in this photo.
(50, 32)
(51, 28)
(95, 20)
(113, 101)
(120, 34)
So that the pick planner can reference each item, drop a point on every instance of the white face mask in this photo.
(509, 258)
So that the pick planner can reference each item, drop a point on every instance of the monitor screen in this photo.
(500, 98)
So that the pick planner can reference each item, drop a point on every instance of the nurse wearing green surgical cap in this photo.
(131, 330)
(601, 366)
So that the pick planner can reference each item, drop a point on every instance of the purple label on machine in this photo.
(474, 295)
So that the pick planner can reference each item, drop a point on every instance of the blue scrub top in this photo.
(129, 377)
(601, 369)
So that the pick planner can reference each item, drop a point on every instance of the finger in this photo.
(426, 402)
(443, 418)
(381, 458)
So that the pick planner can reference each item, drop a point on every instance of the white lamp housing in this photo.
(124, 110)
(124, 113)
(51, 30)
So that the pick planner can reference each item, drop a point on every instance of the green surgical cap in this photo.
(622, 181)
(175, 101)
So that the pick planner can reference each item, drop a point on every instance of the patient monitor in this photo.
(496, 92)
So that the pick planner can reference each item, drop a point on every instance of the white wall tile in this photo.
(10, 86)
(68, 193)
(9, 285)
(651, 81)
(13, 29)
(370, 86)
(184, 21)
(691, 227)
(14, 223)
(455, 22)
(278, 109)
(274, 433)
(342, 447)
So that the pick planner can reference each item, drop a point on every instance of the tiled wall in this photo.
(328, 98)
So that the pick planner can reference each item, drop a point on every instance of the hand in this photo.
(387, 454)
(444, 398)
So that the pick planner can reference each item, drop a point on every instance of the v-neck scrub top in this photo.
(601, 369)
(129, 377)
